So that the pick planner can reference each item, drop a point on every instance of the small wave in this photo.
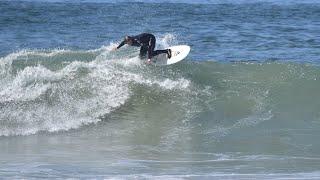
(38, 97)
(43, 92)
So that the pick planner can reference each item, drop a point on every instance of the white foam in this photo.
(27, 85)
(69, 102)
(5, 65)
(39, 99)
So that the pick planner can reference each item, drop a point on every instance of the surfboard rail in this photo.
(178, 53)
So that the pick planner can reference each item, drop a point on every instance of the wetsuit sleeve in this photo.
(121, 44)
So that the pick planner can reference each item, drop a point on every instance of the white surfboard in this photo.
(178, 53)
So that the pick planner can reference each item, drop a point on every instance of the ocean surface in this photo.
(244, 104)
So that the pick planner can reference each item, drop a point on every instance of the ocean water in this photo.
(244, 104)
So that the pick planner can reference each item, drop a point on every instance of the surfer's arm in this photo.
(149, 52)
(121, 44)
(150, 49)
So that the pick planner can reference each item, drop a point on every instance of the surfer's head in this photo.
(129, 40)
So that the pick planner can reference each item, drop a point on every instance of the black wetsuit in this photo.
(147, 43)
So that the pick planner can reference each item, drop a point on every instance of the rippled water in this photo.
(244, 104)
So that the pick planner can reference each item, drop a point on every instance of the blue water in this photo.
(259, 30)
(244, 104)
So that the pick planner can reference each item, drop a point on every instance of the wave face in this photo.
(110, 104)
(59, 89)
(55, 90)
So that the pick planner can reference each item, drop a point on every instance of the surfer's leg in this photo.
(152, 45)
(159, 52)
(166, 51)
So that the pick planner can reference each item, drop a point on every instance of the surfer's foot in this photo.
(169, 53)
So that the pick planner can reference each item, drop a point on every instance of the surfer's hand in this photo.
(115, 48)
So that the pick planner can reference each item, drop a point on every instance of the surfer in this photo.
(147, 43)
